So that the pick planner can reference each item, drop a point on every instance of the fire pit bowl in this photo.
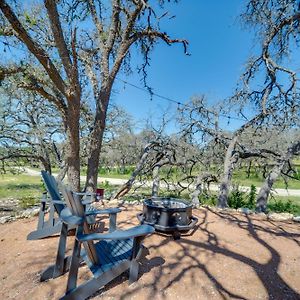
(167, 214)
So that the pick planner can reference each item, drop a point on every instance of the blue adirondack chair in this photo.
(107, 254)
(62, 262)
(53, 200)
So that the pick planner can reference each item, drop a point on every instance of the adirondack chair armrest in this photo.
(137, 231)
(87, 201)
(84, 194)
(58, 202)
(68, 218)
(107, 211)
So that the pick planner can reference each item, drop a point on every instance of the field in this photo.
(27, 191)
(239, 177)
(23, 188)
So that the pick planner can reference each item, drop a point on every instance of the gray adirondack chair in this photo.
(107, 254)
(53, 200)
(62, 262)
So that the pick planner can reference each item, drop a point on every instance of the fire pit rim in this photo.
(168, 209)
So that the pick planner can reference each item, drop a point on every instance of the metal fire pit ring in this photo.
(167, 214)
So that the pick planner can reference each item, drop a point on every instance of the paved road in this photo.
(213, 187)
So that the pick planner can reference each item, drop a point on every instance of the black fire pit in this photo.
(168, 214)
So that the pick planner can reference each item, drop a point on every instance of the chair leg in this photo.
(41, 220)
(62, 263)
(49, 272)
(136, 254)
(133, 271)
(61, 252)
(51, 215)
(75, 262)
(112, 222)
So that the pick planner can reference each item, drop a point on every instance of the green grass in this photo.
(111, 175)
(241, 179)
(26, 189)
(289, 204)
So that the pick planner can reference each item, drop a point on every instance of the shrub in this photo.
(251, 197)
(283, 206)
(210, 200)
(29, 201)
(236, 198)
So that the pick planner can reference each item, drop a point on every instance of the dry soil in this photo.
(227, 256)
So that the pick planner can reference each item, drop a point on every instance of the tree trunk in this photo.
(198, 190)
(156, 180)
(264, 192)
(249, 169)
(62, 173)
(46, 163)
(127, 186)
(73, 144)
(155, 175)
(230, 160)
(202, 178)
(96, 141)
(44, 156)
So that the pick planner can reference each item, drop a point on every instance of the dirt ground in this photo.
(228, 256)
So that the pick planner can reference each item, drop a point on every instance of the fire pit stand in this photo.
(168, 215)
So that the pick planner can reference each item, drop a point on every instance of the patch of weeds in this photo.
(105, 185)
(284, 206)
(208, 199)
(26, 202)
(132, 198)
(251, 197)
(129, 198)
(236, 198)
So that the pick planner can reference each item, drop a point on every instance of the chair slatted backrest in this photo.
(74, 203)
(52, 189)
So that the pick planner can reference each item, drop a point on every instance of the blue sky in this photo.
(219, 49)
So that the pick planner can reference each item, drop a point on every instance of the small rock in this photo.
(296, 219)
(5, 219)
(28, 213)
(212, 208)
(228, 209)
(280, 216)
(261, 214)
(113, 202)
(244, 210)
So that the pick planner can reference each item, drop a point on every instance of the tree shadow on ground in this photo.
(267, 273)
(209, 244)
